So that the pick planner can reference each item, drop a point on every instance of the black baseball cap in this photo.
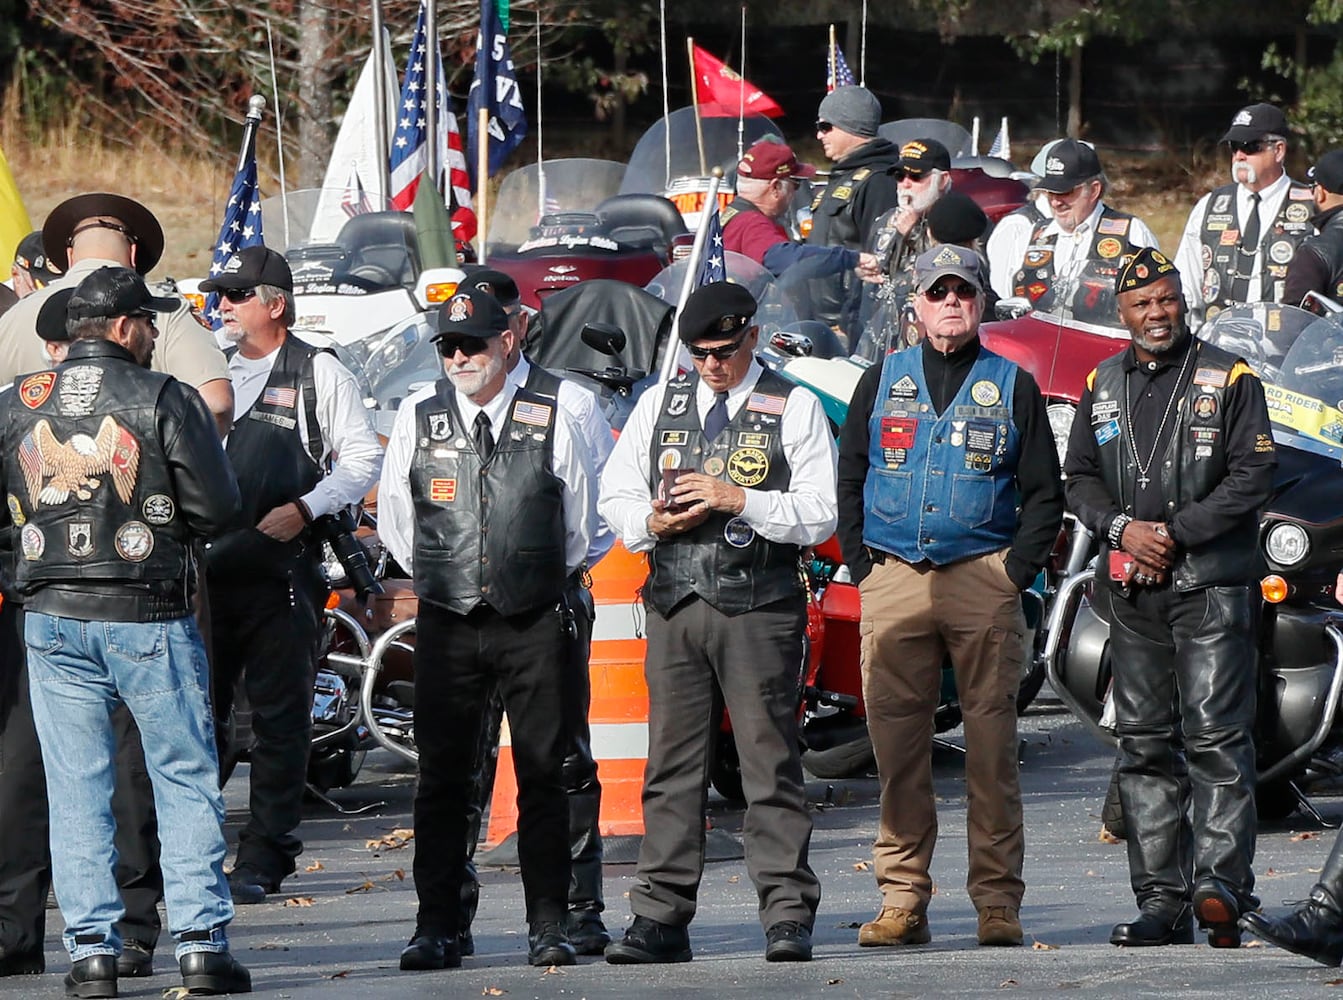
(249, 267)
(496, 282)
(1328, 171)
(1068, 164)
(32, 257)
(51, 317)
(918, 156)
(1255, 122)
(716, 310)
(115, 291)
(472, 312)
(111, 211)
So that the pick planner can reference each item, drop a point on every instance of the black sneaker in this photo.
(547, 944)
(649, 942)
(213, 973)
(788, 941)
(587, 933)
(136, 960)
(428, 951)
(92, 978)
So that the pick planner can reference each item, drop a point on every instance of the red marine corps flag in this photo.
(722, 93)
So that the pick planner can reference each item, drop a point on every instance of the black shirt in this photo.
(1037, 469)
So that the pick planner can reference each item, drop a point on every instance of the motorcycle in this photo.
(1299, 737)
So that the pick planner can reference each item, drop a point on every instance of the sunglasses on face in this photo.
(470, 346)
(1249, 148)
(906, 174)
(823, 127)
(723, 353)
(236, 295)
(964, 292)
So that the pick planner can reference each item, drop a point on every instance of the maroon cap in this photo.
(768, 159)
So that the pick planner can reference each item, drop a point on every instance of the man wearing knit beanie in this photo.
(858, 193)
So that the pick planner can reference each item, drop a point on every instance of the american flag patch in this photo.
(762, 403)
(1112, 227)
(285, 398)
(536, 414)
(442, 490)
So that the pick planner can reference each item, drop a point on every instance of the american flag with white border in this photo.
(762, 402)
(531, 413)
(285, 397)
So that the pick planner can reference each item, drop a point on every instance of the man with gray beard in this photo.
(1241, 236)
(1170, 458)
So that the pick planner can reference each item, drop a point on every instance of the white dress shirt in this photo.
(581, 404)
(1189, 258)
(1007, 246)
(570, 462)
(804, 514)
(348, 437)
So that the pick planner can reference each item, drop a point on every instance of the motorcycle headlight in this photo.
(1061, 423)
(1287, 544)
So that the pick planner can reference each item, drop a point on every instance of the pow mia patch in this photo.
(748, 466)
(1222, 203)
(15, 510)
(32, 542)
(79, 538)
(985, 393)
(678, 404)
(134, 541)
(158, 508)
(439, 426)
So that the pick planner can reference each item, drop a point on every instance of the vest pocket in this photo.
(971, 500)
(890, 499)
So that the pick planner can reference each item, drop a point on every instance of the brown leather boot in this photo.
(999, 925)
(894, 925)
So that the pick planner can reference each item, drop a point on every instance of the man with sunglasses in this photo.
(302, 448)
(722, 476)
(1241, 237)
(1067, 263)
(1318, 264)
(487, 497)
(949, 504)
(859, 191)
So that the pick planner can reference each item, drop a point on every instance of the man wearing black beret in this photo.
(722, 476)
(486, 497)
(1169, 460)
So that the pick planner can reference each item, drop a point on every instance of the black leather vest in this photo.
(1220, 252)
(490, 532)
(1093, 300)
(273, 467)
(1329, 247)
(1193, 465)
(93, 500)
(722, 560)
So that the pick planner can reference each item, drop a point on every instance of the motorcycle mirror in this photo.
(1013, 308)
(605, 338)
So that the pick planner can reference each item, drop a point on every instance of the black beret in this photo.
(956, 218)
(1144, 268)
(470, 313)
(715, 311)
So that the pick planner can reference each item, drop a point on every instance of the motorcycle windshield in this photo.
(949, 134)
(340, 242)
(687, 173)
(1299, 358)
(552, 188)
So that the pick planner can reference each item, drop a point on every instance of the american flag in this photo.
(531, 413)
(241, 228)
(355, 199)
(1002, 145)
(837, 72)
(409, 147)
(713, 265)
(284, 397)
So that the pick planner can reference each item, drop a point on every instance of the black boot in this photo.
(92, 977)
(1314, 929)
(1155, 928)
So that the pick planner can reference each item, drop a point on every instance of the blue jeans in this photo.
(78, 671)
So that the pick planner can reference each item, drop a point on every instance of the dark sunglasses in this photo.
(470, 346)
(1249, 148)
(964, 292)
(900, 173)
(236, 295)
(723, 353)
(823, 127)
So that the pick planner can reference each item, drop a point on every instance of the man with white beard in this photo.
(302, 448)
(1241, 236)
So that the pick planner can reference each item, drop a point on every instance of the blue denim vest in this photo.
(942, 488)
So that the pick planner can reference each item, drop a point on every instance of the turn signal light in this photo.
(1274, 588)
(440, 292)
(333, 600)
(197, 300)
(804, 227)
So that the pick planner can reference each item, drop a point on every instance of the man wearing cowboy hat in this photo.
(96, 230)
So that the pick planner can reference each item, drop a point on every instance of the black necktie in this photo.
(1249, 247)
(716, 419)
(484, 438)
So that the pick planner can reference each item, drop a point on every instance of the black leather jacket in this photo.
(112, 475)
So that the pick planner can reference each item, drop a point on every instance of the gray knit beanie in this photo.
(856, 110)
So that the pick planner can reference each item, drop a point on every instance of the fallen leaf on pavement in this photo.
(833, 982)
(299, 901)
(1253, 943)
(1106, 837)
(399, 875)
(1296, 838)
(1041, 946)
(1007, 982)
(734, 879)
(341, 974)
(395, 839)
(492, 991)
(316, 866)
(1327, 982)
(175, 993)
(365, 886)
(554, 970)
(862, 866)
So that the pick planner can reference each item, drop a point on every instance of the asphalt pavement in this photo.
(338, 926)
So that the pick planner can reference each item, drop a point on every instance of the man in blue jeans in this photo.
(112, 475)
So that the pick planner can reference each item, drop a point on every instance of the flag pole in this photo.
(741, 90)
(483, 173)
(380, 101)
(540, 160)
(974, 136)
(832, 80)
(694, 96)
(671, 353)
(431, 87)
(862, 54)
(256, 106)
(279, 138)
(666, 95)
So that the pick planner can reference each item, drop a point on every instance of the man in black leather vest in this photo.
(302, 448)
(1318, 264)
(721, 476)
(487, 499)
(1170, 459)
(113, 475)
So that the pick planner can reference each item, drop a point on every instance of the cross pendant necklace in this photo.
(1143, 478)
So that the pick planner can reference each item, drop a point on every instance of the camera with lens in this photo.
(337, 530)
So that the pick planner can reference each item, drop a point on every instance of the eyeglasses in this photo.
(904, 173)
(236, 295)
(723, 353)
(964, 292)
(1250, 148)
(470, 346)
(823, 126)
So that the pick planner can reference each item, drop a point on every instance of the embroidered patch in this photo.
(1112, 227)
(79, 538)
(285, 397)
(442, 490)
(898, 432)
(678, 404)
(15, 511)
(1107, 431)
(669, 459)
(158, 508)
(1210, 376)
(440, 426)
(536, 414)
(134, 541)
(714, 466)
(763, 403)
(32, 542)
(1109, 247)
(985, 393)
(1205, 406)
(1281, 251)
(674, 438)
(748, 467)
(77, 389)
(738, 533)
(54, 471)
(35, 389)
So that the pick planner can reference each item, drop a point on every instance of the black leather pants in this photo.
(1184, 694)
